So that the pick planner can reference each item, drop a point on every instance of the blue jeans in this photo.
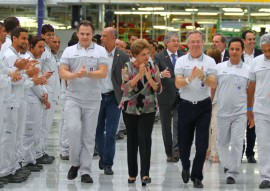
(108, 117)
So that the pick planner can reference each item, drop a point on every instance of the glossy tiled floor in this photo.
(165, 176)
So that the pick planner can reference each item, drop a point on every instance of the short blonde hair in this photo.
(138, 45)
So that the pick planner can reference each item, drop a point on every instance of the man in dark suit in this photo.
(219, 42)
(250, 52)
(111, 95)
(168, 99)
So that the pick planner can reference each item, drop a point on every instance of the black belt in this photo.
(108, 93)
(194, 102)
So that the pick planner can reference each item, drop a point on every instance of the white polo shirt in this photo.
(196, 90)
(231, 91)
(75, 57)
(260, 73)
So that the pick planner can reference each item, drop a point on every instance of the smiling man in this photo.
(168, 100)
(195, 76)
(232, 106)
(83, 65)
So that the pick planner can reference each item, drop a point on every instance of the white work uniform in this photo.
(231, 114)
(48, 64)
(63, 137)
(5, 87)
(33, 122)
(260, 73)
(83, 103)
(11, 129)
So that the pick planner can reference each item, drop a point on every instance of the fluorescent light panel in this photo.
(264, 10)
(191, 10)
(207, 13)
(233, 14)
(232, 9)
(260, 14)
(151, 9)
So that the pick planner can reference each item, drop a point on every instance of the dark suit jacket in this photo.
(257, 52)
(119, 59)
(226, 56)
(168, 94)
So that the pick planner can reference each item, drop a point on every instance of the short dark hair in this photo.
(16, 32)
(34, 40)
(244, 34)
(86, 23)
(11, 23)
(223, 38)
(47, 28)
(237, 39)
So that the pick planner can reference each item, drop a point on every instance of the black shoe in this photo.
(230, 180)
(119, 136)
(176, 156)
(264, 184)
(5, 181)
(225, 170)
(2, 184)
(49, 157)
(252, 159)
(16, 178)
(32, 167)
(86, 178)
(73, 172)
(95, 151)
(44, 160)
(64, 157)
(171, 159)
(100, 164)
(108, 170)
(124, 131)
(39, 166)
(131, 180)
(197, 183)
(24, 171)
(185, 175)
(145, 181)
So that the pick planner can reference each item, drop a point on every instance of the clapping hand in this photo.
(166, 73)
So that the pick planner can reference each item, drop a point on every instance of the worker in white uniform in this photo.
(48, 64)
(258, 91)
(83, 65)
(231, 109)
(9, 167)
(35, 97)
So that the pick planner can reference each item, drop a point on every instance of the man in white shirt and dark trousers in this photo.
(195, 76)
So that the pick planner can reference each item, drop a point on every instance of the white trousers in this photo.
(47, 122)
(230, 132)
(30, 134)
(63, 137)
(3, 112)
(81, 123)
(212, 144)
(262, 123)
(9, 142)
